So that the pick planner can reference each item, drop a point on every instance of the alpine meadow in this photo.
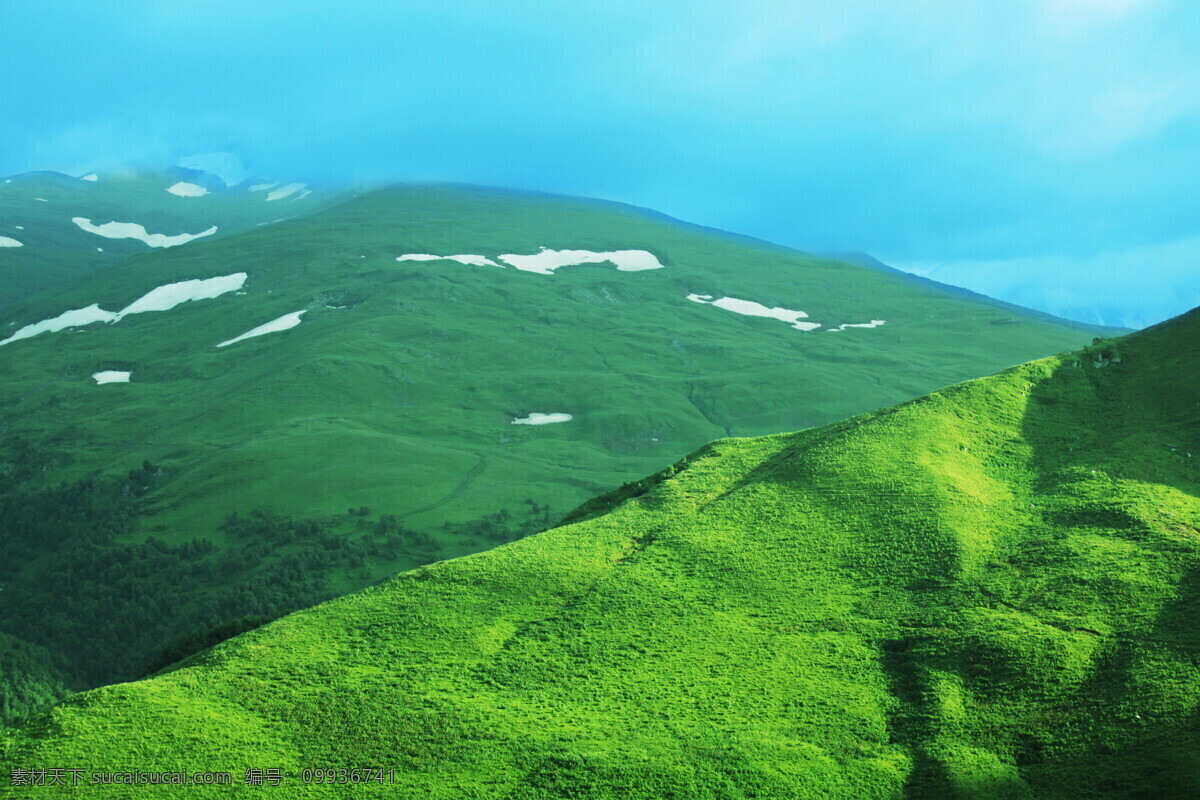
(986, 592)
(603, 400)
(211, 434)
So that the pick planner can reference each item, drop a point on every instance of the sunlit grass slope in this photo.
(377, 435)
(988, 592)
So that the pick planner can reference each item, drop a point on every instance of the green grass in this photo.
(401, 401)
(987, 592)
(56, 251)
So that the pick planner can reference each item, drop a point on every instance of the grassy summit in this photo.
(987, 592)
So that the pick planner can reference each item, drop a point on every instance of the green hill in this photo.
(381, 431)
(41, 245)
(987, 592)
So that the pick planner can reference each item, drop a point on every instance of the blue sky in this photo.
(1043, 151)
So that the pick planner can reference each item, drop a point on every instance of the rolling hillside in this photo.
(55, 227)
(243, 426)
(987, 592)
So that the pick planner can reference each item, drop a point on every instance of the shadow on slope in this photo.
(1071, 659)
(1113, 433)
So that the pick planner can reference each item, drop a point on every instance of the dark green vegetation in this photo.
(396, 394)
(988, 592)
(36, 210)
(83, 585)
(31, 678)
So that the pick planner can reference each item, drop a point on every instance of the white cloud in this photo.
(1075, 15)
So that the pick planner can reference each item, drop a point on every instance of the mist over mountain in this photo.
(1131, 288)
(1055, 139)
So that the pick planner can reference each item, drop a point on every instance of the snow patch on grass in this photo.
(875, 323)
(162, 298)
(285, 191)
(286, 322)
(67, 319)
(111, 376)
(166, 297)
(91, 176)
(8, 241)
(753, 309)
(132, 230)
(469, 260)
(185, 189)
(538, 418)
(546, 261)
(262, 187)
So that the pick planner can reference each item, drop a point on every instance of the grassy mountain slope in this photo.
(988, 592)
(36, 210)
(377, 435)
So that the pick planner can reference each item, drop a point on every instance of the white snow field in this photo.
(545, 262)
(262, 187)
(875, 323)
(538, 418)
(91, 176)
(285, 191)
(753, 309)
(469, 260)
(286, 322)
(185, 189)
(132, 230)
(166, 297)
(7, 241)
(67, 319)
(111, 376)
